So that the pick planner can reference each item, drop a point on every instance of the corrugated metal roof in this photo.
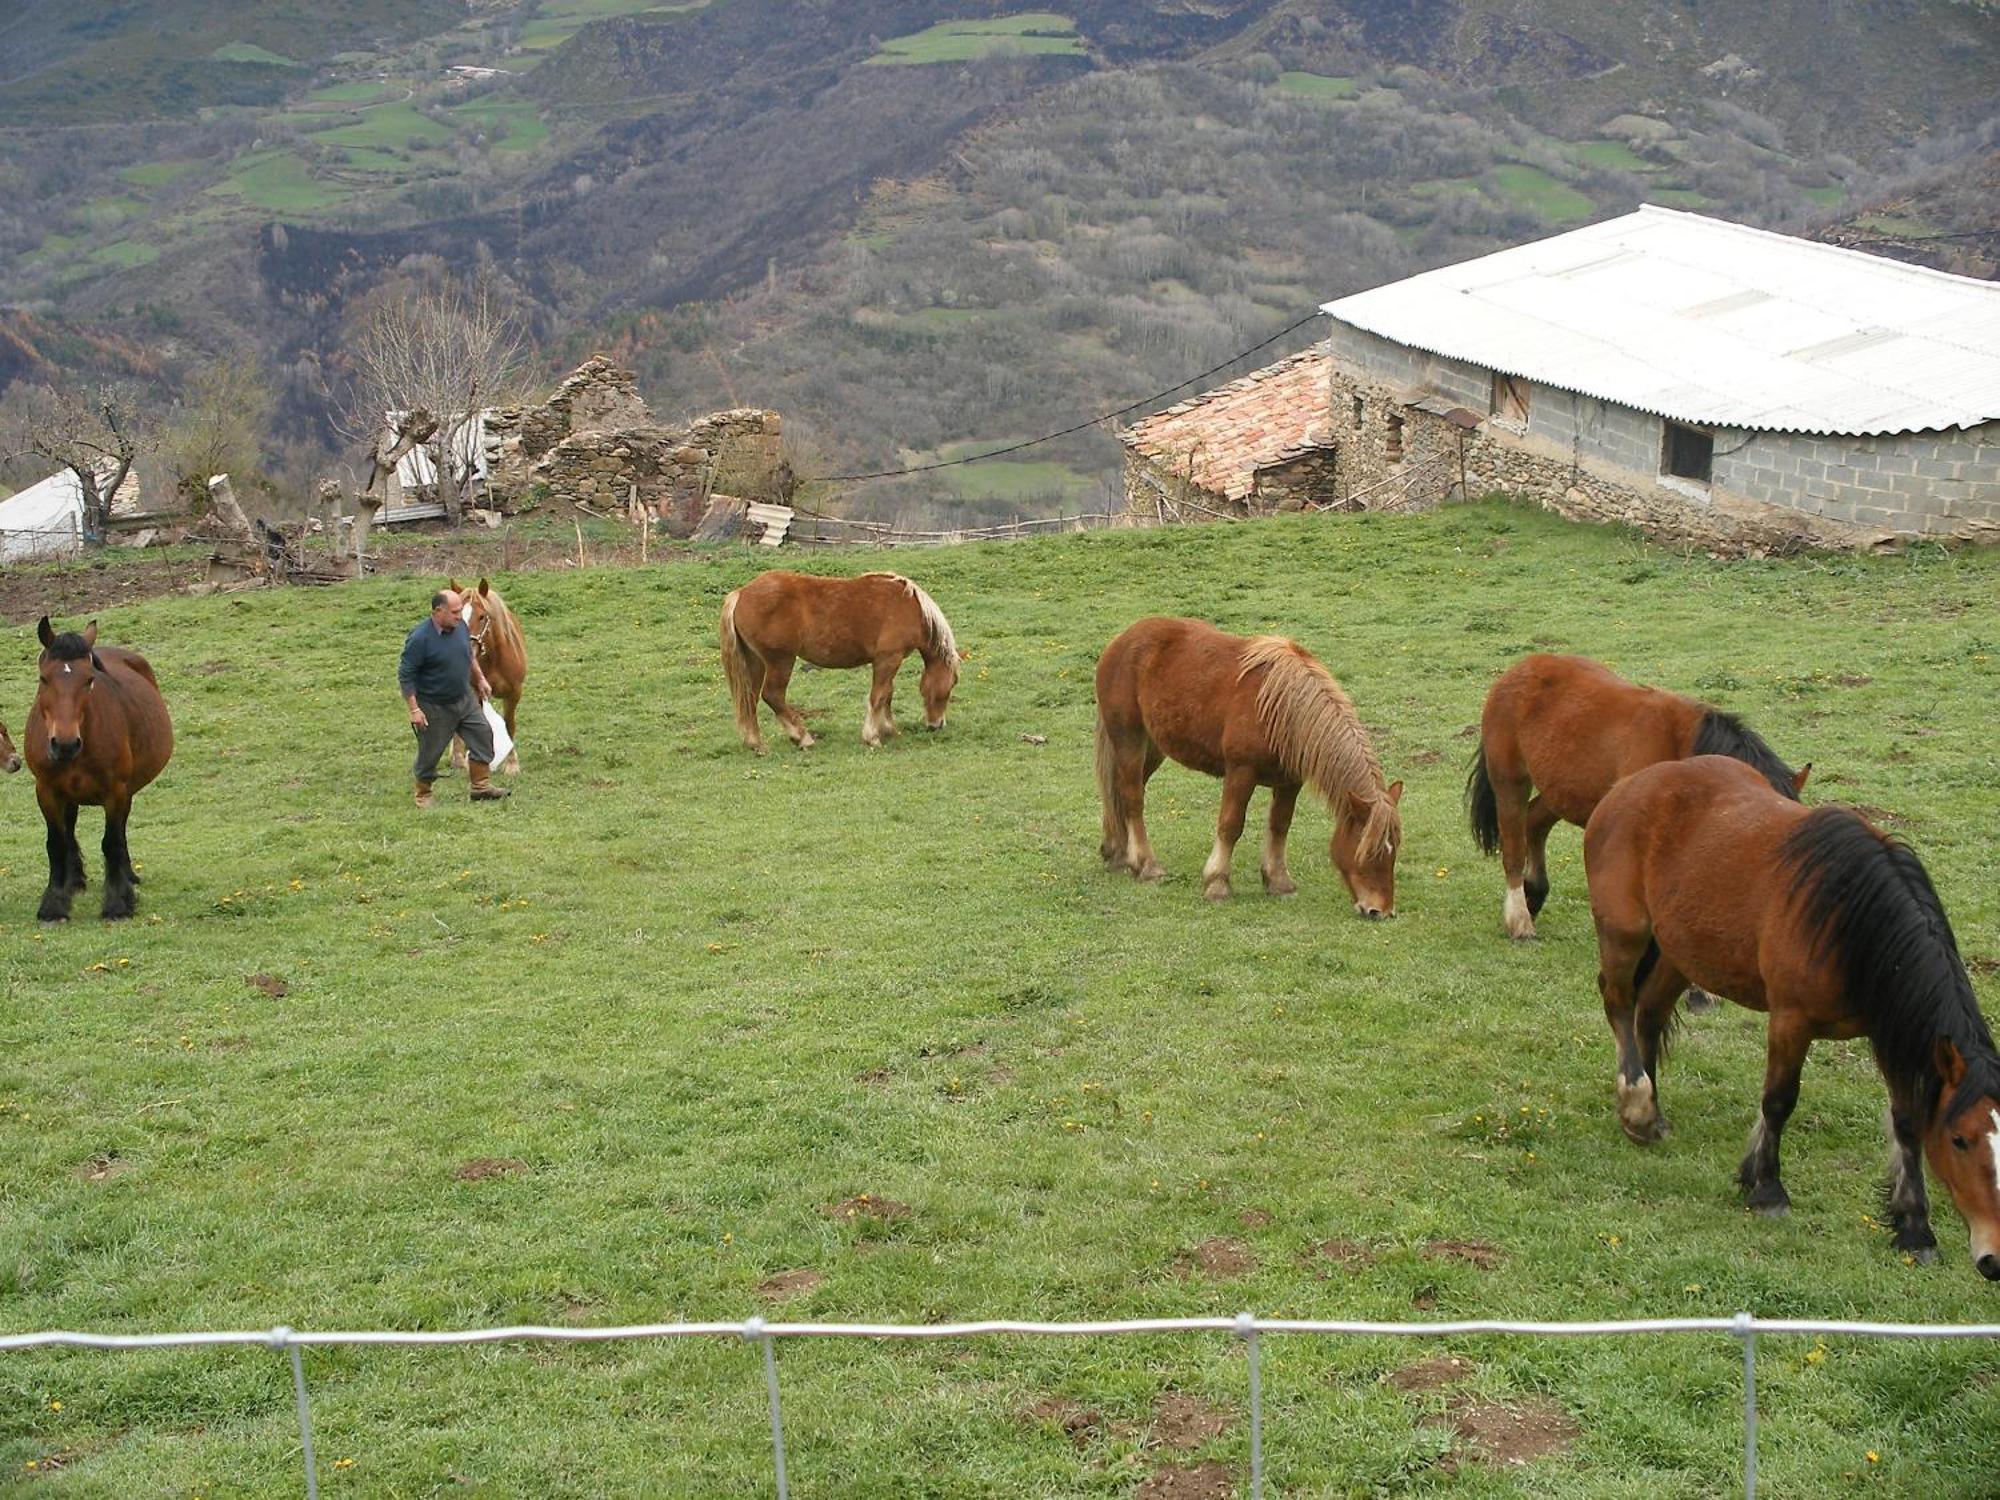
(1720, 324)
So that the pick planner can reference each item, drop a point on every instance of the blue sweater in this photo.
(436, 666)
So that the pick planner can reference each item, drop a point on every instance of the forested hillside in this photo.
(921, 229)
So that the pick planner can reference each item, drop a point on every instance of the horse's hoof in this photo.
(513, 766)
(1645, 1133)
(1770, 1201)
(806, 742)
(1923, 1256)
(1282, 886)
(1151, 874)
(1216, 891)
(52, 910)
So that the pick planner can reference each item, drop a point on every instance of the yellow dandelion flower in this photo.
(1874, 1457)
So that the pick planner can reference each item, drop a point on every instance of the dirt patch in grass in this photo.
(866, 1206)
(1430, 1374)
(1351, 1255)
(1220, 1259)
(1080, 1424)
(1983, 964)
(1472, 1252)
(787, 1284)
(1853, 679)
(875, 1078)
(1255, 1218)
(74, 591)
(271, 985)
(1210, 1481)
(1423, 758)
(1184, 1423)
(105, 1166)
(1882, 815)
(1505, 1436)
(485, 1168)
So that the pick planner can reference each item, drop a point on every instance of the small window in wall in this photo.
(1393, 452)
(1687, 452)
(1358, 406)
(1510, 398)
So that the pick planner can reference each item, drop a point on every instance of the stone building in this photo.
(1709, 383)
(595, 442)
(1250, 447)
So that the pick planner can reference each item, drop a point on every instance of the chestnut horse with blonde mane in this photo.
(97, 733)
(874, 620)
(1557, 733)
(503, 657)
(1256, 712)
(1700, 871)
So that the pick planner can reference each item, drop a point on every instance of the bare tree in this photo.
(89, 430)
(449, 350)
(218, 426)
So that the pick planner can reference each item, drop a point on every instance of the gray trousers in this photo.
(466, 719)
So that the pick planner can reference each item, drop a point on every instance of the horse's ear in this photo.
(483, 589)
(1950, 1064)
(1395, 793)
(90, 634)
(964, 655)
(452, 584)
(44, 633)
(1799, 777)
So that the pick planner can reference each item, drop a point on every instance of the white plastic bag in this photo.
(503, 742)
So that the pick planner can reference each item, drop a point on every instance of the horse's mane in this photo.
(1319, 738)
(1865, 897)
(1725, 734)
(937, 629)
(503, 618)
(69, 646)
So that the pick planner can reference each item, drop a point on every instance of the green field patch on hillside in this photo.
(250, 52)
(1533, 189)
(360, 91)
(1616, 155)
(1446, 187)
(153, 174)
(1678, 198)
(1318, 86)
(113, 209)
(1024, 481)
(929, 322)
(1041, 33)
(278, 181)
(392, 126)
(510, 124)
(1899, 224)
(559, 20)
(1831, 196)
(125, 254)
(370, 159)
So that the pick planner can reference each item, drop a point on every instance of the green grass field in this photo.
(1318, 86)
(620, 1049)
(1036, 32)
(512, 123)
(278, 181)
(1541, 194)
(1614, 154)
(388, 126)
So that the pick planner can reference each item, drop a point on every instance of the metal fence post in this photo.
(1746, 1331)
(281, 1338)
(1246, 1330)
(755, 1332)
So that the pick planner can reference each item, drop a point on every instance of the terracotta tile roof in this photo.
(1267, 417)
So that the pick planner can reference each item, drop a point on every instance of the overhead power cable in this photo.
(975, 458)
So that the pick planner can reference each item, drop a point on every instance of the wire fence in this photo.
(763, 1336)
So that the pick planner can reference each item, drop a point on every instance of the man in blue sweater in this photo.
(443, 689)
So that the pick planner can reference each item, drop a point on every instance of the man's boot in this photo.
(484, 790)
(424, 797)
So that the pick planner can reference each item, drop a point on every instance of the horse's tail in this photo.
(1107, 777)
(739, 665)
(1481, 806)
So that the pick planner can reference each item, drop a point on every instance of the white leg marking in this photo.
(1215, 874)
(1514, 914)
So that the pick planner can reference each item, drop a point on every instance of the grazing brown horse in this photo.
(1556, 734)
(503, 657)
(1700, 871)
(1257, 712)
(97, 733)
(874, 620)
(10, 759)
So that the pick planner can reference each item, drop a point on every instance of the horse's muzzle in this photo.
(61, 751)
(1989, 1266)
(1372, 913)
(11, 764)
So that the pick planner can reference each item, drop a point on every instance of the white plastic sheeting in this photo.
(1712, 323)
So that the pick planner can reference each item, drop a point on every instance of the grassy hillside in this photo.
(629, 1046)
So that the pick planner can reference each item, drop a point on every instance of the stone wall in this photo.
(1152, 492)
(1596, 460)
(595, 442)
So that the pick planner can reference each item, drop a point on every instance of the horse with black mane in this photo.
(1258, 711)
(98, 732)
(1557, 733)
(1701, 872)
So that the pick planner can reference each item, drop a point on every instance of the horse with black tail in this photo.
(1700, 872)
(1257, 711)
(1557, 733)
(97, 733)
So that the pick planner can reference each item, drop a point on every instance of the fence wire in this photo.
(764, 1337)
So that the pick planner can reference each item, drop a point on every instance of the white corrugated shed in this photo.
(1712, 323)
(45, 520)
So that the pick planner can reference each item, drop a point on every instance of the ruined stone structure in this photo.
(594, 441)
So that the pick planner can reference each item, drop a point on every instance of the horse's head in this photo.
(940, 677)
(479, 609)
(1366, 836)
(68, 670)
(10, 759)
(1963, 1148)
